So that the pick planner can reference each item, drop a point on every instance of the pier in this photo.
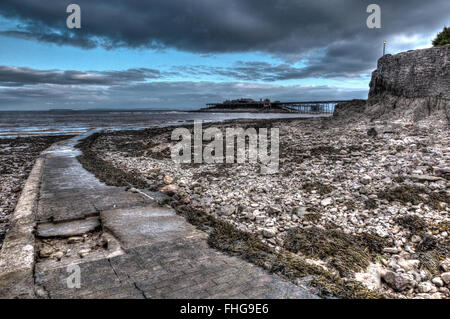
(307, 107)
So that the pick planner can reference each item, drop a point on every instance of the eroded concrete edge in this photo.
(17, 256)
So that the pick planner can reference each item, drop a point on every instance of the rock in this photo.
(169, 190)
(301, 211)
(390, 250)
(275, 209)
(444, 290)
(424, 178)
(399, 281)
(415, 238)
(436, 295)
(442, 171)
(40, 292)
(366, 179)
(446, 277)
(58, 255)
(408, 265)
(325, 202)
(381, 232)
(46, 251)
(437, 281)
(168, 180)
(445, 265)
(425, 287)
(83, 252)
(372, 132)
(269, 232)
(227, 210)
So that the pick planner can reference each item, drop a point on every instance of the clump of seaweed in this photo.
(345, 252)
(415, 195)
(430, 260)
(350, 204)
(370, 204)
(413, 223)
(403, 194)
(332, 285)
(312, 217)
(436, 198)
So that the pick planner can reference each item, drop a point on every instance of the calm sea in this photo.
(29, 123)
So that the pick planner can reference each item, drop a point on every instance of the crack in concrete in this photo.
(140, 290)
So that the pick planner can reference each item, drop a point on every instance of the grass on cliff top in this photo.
(442, 38)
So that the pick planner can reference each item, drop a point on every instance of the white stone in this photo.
(366, 179)
(325, 202)
(425, 286)
(437, 281)
(446, 277)
(445, 265)
(269, 232)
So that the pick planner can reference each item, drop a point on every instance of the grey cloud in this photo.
(292, 30)
(20, 76)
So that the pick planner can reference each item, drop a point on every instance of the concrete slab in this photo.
(68, 229)
(70, 192)
(146, 225)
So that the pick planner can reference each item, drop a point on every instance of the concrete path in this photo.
(126, 246)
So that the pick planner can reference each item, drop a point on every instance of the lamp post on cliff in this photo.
(384, 47)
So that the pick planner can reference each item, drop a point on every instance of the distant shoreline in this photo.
(243, 110)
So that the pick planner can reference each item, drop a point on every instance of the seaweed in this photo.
(370, 204)
(414, 195)
(403, 194)
(345, 252)
(430, 260)
(413, 223)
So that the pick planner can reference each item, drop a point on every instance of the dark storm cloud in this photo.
(159, 94)
(20, 76)
(290, 29)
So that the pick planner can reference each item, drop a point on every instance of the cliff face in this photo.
(411, 86)
(413, 74)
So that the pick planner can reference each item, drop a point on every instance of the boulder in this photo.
(399, 281)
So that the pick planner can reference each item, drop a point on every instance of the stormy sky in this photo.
(185, 53)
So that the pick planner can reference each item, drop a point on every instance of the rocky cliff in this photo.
(413, 74)
(411, 85)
